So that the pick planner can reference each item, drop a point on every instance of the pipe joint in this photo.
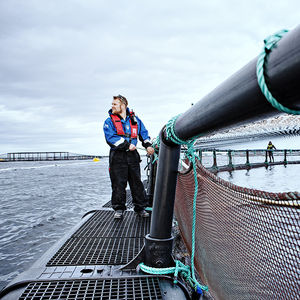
(158, 252)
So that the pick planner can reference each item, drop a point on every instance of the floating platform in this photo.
(86, 264)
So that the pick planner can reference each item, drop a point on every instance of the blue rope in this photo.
(270, 43)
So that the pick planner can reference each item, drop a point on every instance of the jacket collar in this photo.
(127, 113)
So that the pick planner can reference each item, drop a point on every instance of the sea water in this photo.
(279, 178)
(40, 202)
(276, 179)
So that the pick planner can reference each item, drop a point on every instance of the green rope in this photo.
(170, 133)
(155, 158)
(155, 145)
(270, 43)
(185, 270)
(190, 154)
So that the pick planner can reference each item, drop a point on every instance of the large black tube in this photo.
(237, 100)
(165, 189)
(240, 100)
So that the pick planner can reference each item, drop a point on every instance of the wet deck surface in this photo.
(102, 289)
(103, 240)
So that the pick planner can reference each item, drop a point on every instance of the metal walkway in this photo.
(103, 240)
(86, 264)
(100, 289)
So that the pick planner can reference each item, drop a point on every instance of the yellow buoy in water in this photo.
(96, 159)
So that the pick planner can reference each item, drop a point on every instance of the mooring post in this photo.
(229, 159)
(200, 156)
(247, 158)
(285, 157)
(215, 166)
(159, 242)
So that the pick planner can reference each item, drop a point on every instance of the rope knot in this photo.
(179, 268)
(272, 40)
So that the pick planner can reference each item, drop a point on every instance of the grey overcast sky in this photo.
(61, 61)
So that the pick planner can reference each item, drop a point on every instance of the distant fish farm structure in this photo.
(43, 156)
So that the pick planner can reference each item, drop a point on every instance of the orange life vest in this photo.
(119, 127)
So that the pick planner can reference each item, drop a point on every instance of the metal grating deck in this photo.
(103, 240)
(102, 224)
(129, 203)
(143, 288)
(97, 251)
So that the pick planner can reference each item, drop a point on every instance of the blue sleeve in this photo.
(143, 134)
(112, 139)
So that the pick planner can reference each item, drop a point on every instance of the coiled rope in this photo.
(187, 272)
(270, 43)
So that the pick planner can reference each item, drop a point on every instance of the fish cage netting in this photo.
(247, 242)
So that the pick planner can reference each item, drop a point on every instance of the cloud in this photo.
(61, 62)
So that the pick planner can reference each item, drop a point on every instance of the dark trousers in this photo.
(125, 167)
(271, 157)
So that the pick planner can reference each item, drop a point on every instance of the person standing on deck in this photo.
(270, 148)
(121, 130)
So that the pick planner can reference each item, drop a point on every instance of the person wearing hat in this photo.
(122, 129)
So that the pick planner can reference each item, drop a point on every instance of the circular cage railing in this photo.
(224, 160)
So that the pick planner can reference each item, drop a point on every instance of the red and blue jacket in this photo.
(120, 133)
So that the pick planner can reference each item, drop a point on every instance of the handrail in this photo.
(219, 162)
(244, 150)
(237, 101)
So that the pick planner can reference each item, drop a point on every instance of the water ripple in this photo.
(40, 202)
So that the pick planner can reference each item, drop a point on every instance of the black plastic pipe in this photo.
(165, 189)
(151, 180)
(158, 243)
(238, 100)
